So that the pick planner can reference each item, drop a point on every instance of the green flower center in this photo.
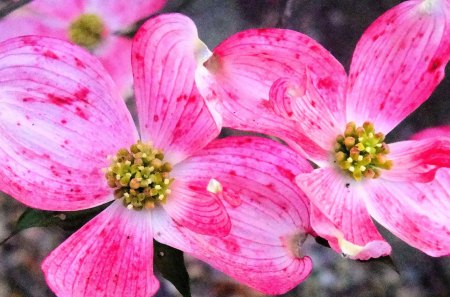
(361, 152)
(140, 176)
(86, 30)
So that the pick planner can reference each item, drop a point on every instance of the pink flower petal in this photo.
(435, 132)
(398, 63)
(338, 242)
(191, 206)
(418, 213)
(257, 251)
(121, 13)
(269, 213)
(60, 117)
(340, 215)
(300, 101)
(30, 24)
(112, 255)
(244, 67)
(53, 9)
(167, 231)
(172, 113)
(115, 53)
(417, 161)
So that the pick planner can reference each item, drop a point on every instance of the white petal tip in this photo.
(214, 186)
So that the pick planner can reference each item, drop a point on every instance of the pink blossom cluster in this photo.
(246, 204)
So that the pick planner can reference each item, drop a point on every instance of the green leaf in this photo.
(67, 220)
(170, 263)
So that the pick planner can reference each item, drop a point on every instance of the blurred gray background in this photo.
(337, 25)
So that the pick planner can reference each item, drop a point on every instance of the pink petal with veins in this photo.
(340, 214)
(60, 117)
(172, 113)
(299, 100)
(269, 214)
(112, 255)
(398, 63)
(417, 161)
(415, 212)
(243, 68)
(246, 65)
(196, 210)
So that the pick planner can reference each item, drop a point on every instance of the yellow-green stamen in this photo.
(361, 152)
(140, 176)
(86, 30)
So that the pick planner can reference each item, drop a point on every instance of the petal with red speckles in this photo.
(398, 63)
(417, 161)
(415, 212)
(298, 100)
(340, 215)
(269, 213)
(172, 114)
(112, 255)
(60, 117)
(243, 68)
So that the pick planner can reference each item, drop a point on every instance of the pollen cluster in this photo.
(139, 176)
(86, 30)
(361, 152)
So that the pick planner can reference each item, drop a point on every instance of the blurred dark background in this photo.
(337, 25)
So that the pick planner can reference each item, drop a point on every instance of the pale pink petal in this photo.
(172, 113)
(112, 255)
(398, 63)
(54, 9)
(115, 54)
(168, 231)
(418, 213)
(60, 116)
(191, 206)
(440, 131)
(121, 13)
(269, 213)
(340, 215)
(29, 24)
(417, 161)
(298, 99)
(244, 67)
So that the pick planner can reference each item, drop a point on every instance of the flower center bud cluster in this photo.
(361, 152)
(140, 176)
(87, 30)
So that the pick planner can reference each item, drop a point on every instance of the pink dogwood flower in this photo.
(232, 202)
(88, 23)
(339, 121)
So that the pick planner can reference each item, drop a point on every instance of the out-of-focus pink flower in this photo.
(88, 23)
(397, 64)
(232, 202)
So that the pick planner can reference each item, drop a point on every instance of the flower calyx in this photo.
(361, 152)
(87, 30)
(140, 176)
